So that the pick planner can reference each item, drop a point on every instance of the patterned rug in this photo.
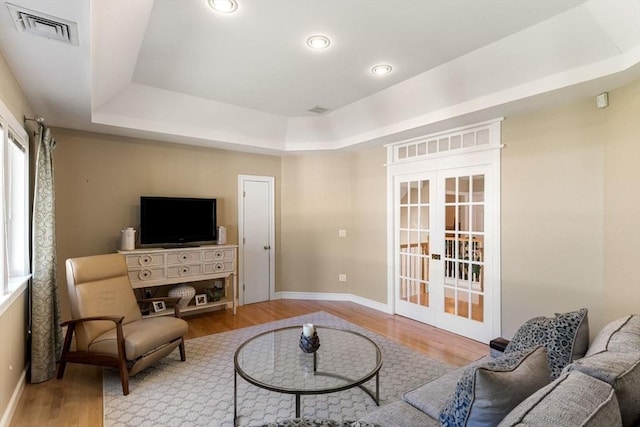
(199, 391)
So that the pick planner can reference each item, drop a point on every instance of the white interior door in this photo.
(444, 229)
(256, 239)
(442, 276)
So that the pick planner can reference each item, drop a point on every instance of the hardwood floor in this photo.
(76, 400)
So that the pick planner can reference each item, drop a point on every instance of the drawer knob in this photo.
(184, 270)
(218, 255)
(184, 257)
(144, 274)
(145, 260)
(218, 266)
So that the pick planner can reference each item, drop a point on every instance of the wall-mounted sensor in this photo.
(602, 100)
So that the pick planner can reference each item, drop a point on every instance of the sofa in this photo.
(547, 375)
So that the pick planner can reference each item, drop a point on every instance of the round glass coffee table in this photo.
(273, 361)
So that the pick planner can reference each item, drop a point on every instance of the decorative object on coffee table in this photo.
(184, 292)
(309, 341)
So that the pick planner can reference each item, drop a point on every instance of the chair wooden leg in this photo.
(124, 376)
(183, 355)
(65, 349)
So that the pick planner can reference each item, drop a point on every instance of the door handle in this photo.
(435, 256)
(267, 247)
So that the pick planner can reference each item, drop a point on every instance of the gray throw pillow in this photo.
(486, 393)
(566, 337)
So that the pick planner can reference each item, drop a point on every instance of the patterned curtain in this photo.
(46, 333)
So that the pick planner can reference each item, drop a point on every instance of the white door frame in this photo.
(438, 152)
(272, 241)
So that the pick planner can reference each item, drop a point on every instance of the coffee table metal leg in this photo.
(297, 405)
(235, 398)
(378, 389)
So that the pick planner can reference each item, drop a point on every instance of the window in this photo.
(14, 215)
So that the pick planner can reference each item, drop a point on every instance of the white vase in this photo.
(184, 292)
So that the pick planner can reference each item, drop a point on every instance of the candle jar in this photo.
(309, 344)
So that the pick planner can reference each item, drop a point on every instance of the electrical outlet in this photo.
(342, 233)
(342, 277)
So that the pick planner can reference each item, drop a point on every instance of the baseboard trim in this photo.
(328, 296)
(15, 398)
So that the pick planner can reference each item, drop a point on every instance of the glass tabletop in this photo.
(273, 360)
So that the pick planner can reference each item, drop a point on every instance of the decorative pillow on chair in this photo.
(486, 393)
(566, 337)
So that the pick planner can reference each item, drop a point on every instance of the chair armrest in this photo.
(116, 319)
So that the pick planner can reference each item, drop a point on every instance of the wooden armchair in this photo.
(106, 320)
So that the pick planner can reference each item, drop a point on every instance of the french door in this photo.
(445, 241)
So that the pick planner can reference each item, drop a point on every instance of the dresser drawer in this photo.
(218, 255)
(145, 260)
(184, 270)
(146, 274)
(184, 257)
(219, 267)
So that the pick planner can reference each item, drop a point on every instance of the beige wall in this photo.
(321, 194)
(13, 321)
(316, 203)
(569, 194)
(621, 140)
(11, 93)
(13, 329)
(100, 178)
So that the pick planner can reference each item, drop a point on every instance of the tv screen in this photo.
(177, 220)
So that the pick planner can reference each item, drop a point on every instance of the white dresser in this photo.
(160, 267)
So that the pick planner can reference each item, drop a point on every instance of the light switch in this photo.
(342, 233)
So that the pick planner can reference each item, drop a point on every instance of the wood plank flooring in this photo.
(76, 400)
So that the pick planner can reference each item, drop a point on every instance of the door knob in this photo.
(267, 247)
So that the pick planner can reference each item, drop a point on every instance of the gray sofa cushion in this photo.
(431, 397)
(565, 403)
(485, 394)
(565, 336)
(399, 414)
(620, 335)
(622, 372)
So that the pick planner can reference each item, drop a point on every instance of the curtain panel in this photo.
(46, 333)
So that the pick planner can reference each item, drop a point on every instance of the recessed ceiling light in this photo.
(224, 6)
(318, 42)
(381, 69)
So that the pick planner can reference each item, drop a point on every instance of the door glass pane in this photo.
(477, 218)
(424, 192)
(464, 257)
(424, 217)
(478, 188)
(477, 307)
(463, 189)
(413, 217)
(450, 186)
(414, 246)
(463, 304)
(463, 218)
(413, 193)
(404, 217)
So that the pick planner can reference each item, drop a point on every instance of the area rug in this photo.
(199, 391)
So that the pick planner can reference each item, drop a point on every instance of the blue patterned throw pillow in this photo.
(566, 337)
(486, 393)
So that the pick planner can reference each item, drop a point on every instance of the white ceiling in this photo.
(174, 70)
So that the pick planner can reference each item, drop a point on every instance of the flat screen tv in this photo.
(177, 221)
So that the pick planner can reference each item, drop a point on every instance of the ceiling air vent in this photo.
(41, 24)
(319, 110)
